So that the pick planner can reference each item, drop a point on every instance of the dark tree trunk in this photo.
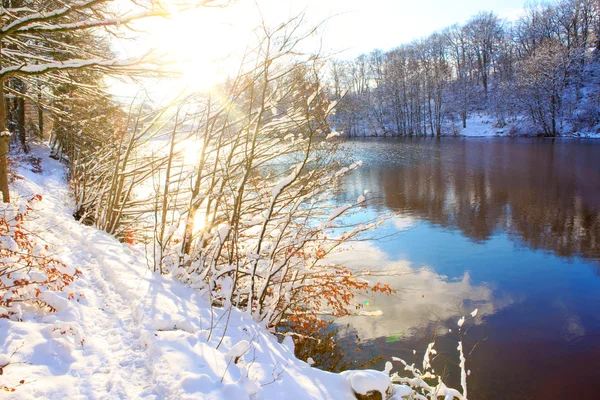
(21, 124)
(40, 111)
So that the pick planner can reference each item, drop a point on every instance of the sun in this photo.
(202, 46)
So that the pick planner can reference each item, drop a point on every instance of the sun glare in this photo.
(199, 221)
(191, 151)
(205, 45)
(201, 45)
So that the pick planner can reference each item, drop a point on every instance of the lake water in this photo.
(508, 226)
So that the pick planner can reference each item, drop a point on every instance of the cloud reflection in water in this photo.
(423, 296)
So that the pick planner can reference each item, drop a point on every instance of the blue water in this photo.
(508, 226)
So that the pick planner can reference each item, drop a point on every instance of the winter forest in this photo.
(537, 75)
(244, 239)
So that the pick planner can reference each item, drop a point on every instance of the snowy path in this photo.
(112, 337)
(113, 356)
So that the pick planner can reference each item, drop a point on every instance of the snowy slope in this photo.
(483, 126)
(143, 335)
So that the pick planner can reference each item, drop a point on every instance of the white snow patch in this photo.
(363, 382)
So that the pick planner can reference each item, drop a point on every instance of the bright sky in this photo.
(204, 42)
(360, 26)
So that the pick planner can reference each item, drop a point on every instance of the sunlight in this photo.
(202, 45)
(191, 151)
(199, 221)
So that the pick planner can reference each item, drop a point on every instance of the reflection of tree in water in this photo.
(544, 193)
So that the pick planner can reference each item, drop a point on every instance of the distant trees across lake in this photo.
(538, 75)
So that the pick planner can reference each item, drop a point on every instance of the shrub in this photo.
(31, 279)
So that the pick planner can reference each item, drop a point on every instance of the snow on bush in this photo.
(31, 279)
(424, 384)
(367, 381)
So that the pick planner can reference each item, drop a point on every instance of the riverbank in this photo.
(121, 331)
(484, 125)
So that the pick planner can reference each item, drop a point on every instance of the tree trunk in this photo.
(553, 116)
(21, 124)
(4, 142)
(40, 111)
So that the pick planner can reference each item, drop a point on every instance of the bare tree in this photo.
(484, 32)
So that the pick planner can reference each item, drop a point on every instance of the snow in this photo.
(288, 343)
(366, 381)
(338, 211)
(483, 126)
(133, 334)
(276, 190)
(332, 135)
(401, 391)
(463, 372)
(36, 69)
(239, 349)
(426, 358)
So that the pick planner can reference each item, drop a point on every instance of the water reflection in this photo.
(509, 226)
(423, 296)
(544, 193)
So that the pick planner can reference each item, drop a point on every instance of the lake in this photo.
(508, 226)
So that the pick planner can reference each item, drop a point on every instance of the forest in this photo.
(535, 76)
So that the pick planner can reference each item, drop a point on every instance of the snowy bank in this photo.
(486, 125)
(128, 333)
(482, 125)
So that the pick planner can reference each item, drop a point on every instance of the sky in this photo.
(204, 43)
(359, 26)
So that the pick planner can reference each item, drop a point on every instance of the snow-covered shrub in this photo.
(30, 278)
(249, 217)
(232, 193)
(423, 383)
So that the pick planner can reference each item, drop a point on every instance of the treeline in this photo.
(541, 71)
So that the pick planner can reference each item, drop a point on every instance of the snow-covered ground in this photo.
(480, 126)
(130, 333)
(484, 125)
(590, 135)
